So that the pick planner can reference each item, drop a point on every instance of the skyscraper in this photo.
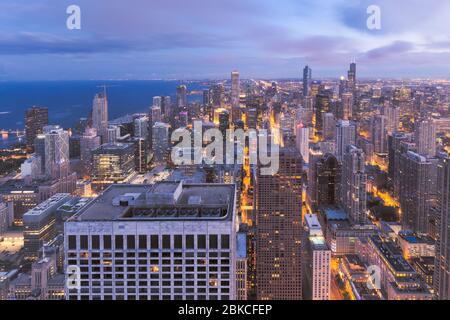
(160, 143)
(235, 89)
(57, 163)
(302, 141)
(352, 77)
(346, 110)
(417, 190)
(181, 97)
(307, 76)
(100, 115)
(89, 141)
(36, 118)
(328, 180)
(279, 230)
(425, 137)
(345, 135)
(353, 185)
(442, 260)
(379, 133)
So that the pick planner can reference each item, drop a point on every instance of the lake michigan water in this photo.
(68, 101)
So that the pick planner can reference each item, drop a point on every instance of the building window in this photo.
(213, 241)
(142, 242)
(119, 242)
(189, 241)
(225, 241)
(95, 242)
(72, 242)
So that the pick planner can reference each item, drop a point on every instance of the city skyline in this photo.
(203, 39)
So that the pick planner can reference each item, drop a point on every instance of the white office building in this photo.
(168, 241)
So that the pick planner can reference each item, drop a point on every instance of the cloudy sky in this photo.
(190, 39)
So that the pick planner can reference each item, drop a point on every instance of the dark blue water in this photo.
(68, 101)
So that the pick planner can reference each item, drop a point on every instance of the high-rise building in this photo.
(379, 133)
(417, 190)
(112, 163)
(328, 180)
(217, 92)
(279, 230)
(329, 126)
(235, 89)
(345, 136)
(113, 134)
(323, 105)
(302, 141)
(181, 97)
(392, 114)
(141, 125)
(425, 137)
(181, 237)
(57, 163)
(89, 141)
(36, 118)
(352, 77)
(307, 76)
(160, 143)
(353, 185)
(398, 144)
(442, 260)
(100, 115)
(346, 110)
(318, 260)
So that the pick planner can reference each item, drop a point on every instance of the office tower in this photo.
(353, 185)
(206, 97)
(442, 260)
(345, 136)
(252, 118)
(112, 163)
(224, 121)
(367, 147)
(329, 126)
(182, 238)
(89, 141)
(6, 216)
(398, 144)
(279, 230)
(113, 134)
(39, 225)
(302, 141)
(352, 77)
(342, 85)
(155, 115)
(241, 266)
(379, 133)
(160, 143)
(315, 155)
(307, 76)
(181, 97)
(217, 92)
(36, 118)
(425, 137)
(157, 101)
(39, 149)
(100, 115)
(74, 146)
(346, 110)
(323, 105)
(318, 260)
(417, 190)
(328, 180)
(141, 154)
(141, 126)
(392, 115)
(57, 163)
(235, 89)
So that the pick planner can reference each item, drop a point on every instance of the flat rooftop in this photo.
(393, 254)
(161, 201)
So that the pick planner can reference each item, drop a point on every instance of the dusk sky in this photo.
(197, 39)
